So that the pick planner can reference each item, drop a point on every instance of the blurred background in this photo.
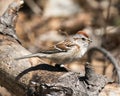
(42, 23)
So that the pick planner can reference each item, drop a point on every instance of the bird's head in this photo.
(82, 38)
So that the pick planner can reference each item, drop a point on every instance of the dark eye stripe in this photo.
(79, 38)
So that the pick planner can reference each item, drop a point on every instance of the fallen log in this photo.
(16, 76)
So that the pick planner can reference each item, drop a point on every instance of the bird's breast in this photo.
(66, 57)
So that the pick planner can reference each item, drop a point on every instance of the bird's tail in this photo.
(40, 55)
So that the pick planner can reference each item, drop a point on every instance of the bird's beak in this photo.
(90, 41)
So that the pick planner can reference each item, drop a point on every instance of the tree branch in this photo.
(106, 54)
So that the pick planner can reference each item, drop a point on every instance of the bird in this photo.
(66, 51)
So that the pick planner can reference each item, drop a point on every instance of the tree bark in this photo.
(52, 80)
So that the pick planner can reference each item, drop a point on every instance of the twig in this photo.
(33, 6)
(106, 54)
(107, 17)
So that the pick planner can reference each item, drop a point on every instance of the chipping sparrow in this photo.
(66, 51)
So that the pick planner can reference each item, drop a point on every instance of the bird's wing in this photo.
(52, 51)
(59, 47)
(63, 46)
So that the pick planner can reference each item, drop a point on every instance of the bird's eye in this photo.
(83, 39)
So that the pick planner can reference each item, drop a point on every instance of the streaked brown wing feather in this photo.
(52, 51)
(59, 47)
(64, 45)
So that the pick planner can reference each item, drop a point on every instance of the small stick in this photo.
(109, 57)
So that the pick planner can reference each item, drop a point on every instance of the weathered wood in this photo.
(71, 84)
(53, 80)
(9, 82)
(9, 49)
